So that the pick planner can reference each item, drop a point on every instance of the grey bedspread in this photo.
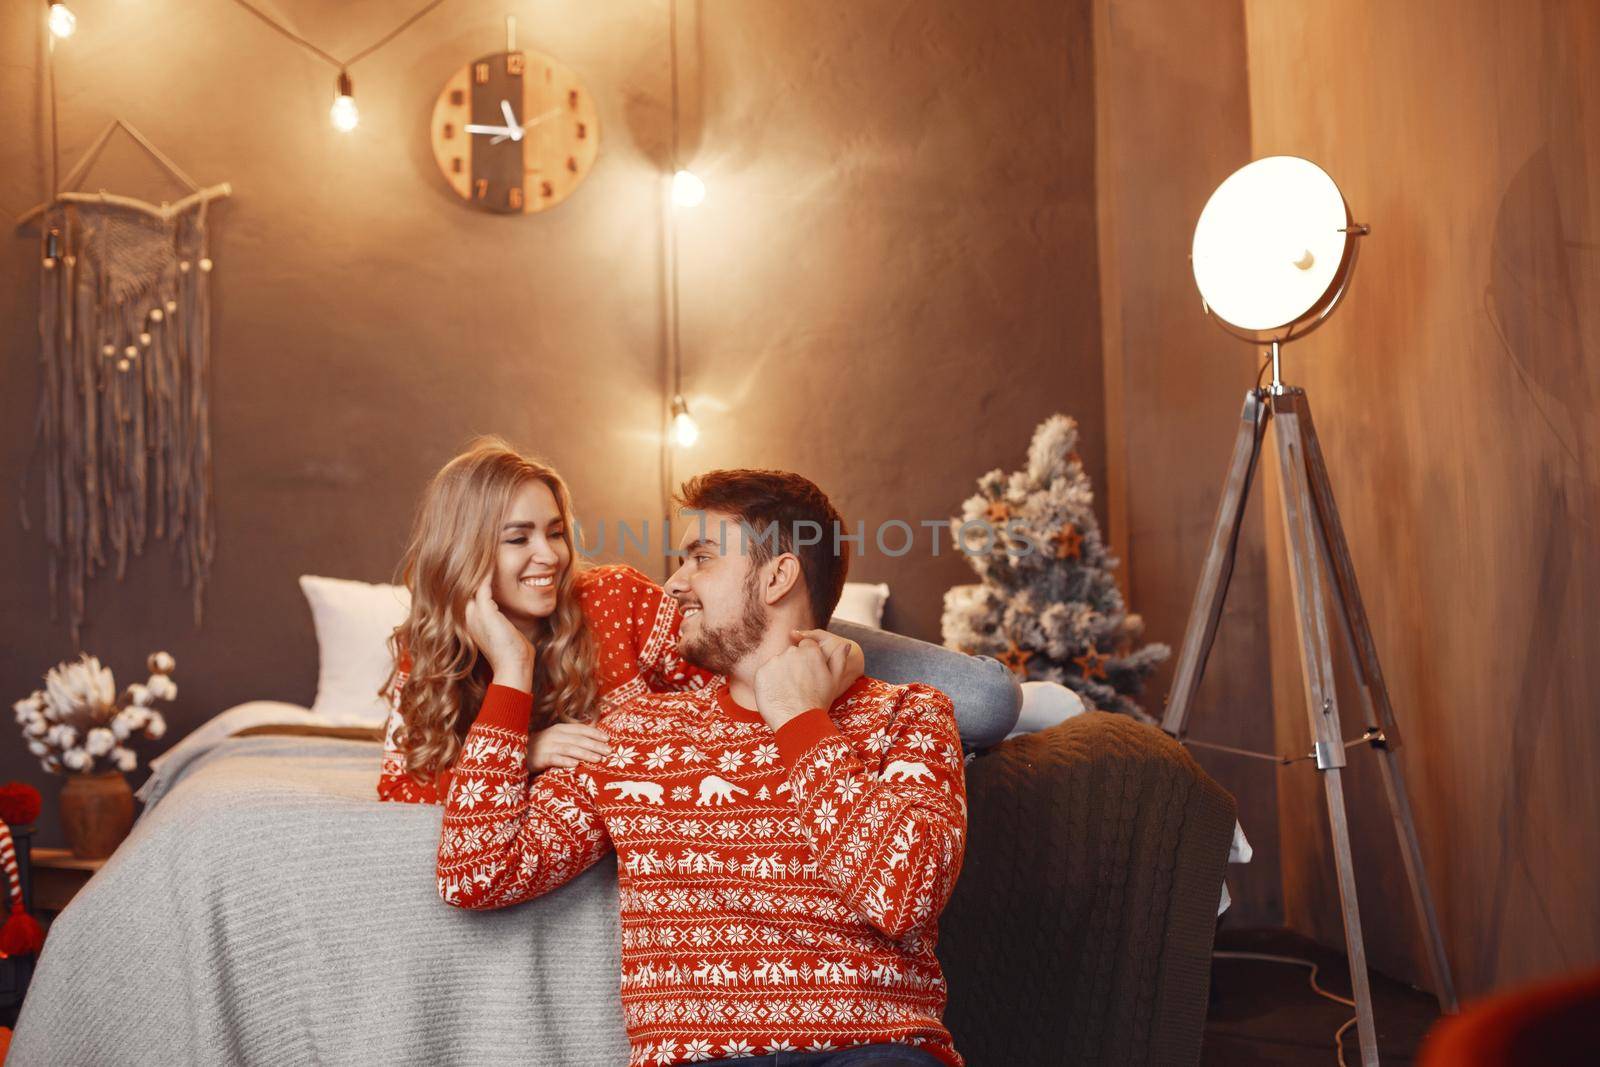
(270, 910)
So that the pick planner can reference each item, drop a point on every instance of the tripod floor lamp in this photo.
(1273, 253)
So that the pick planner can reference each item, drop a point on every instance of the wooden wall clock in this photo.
(514, 132)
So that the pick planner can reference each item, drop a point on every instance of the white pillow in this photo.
(353, 622)
(862, 603)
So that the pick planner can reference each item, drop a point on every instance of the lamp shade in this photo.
(1274, 248)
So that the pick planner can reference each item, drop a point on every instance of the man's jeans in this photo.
(884, 1055)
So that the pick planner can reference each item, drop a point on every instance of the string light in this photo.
(687, 189)
(684, 190)
(685, 431)
(344, 113)
(62, 20)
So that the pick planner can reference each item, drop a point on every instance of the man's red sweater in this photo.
(779, 891)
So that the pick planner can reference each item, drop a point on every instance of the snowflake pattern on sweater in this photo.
(635, 628)
(779, 891)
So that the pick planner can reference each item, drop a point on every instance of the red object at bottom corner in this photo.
(1552, 1024)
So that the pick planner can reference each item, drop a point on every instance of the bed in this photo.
(268, 909)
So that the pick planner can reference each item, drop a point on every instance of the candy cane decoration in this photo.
(21, 935)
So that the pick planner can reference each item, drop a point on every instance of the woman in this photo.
(493, 536)
(493, 532)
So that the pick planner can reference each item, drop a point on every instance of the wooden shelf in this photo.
(57, 877)
(63, 859)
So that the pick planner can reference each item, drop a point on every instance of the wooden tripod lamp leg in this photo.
(1315, 540)
(1212, 591)
(1405, 828)
(1375, 699)
(1316, 668)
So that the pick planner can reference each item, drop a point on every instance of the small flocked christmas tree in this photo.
(1047, 605)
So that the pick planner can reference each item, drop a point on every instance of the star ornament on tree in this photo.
(1092, 663)
(1069, 543)
(1016, 659)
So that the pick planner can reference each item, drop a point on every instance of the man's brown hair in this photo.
(762, 499)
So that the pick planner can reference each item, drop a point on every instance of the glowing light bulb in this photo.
(62, 20)
(344, 113)
(685, 431)
(687, 189)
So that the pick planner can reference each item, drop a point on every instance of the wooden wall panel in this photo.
(1458, 397)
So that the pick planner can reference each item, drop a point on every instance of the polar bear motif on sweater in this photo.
(901, 771)
(715, 790)
(645, 792)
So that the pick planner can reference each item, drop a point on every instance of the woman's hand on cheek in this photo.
(510, 655)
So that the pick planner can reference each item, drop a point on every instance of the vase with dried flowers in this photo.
(79, 727)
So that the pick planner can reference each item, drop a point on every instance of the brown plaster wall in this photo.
(1174, 121)
(893, 279)
(1456, 393)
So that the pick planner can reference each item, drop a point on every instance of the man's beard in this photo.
(719, 650)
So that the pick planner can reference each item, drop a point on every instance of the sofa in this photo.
(1080, 931)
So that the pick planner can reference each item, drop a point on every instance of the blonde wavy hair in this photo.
(454, 542)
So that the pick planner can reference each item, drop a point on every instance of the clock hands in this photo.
(552, 113)
(517, 136)
(510, 130)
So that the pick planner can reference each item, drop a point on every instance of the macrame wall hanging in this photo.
(124, 419)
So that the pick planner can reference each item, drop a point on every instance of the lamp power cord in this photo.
(1338, 1035)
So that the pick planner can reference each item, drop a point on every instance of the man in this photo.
(786, 838)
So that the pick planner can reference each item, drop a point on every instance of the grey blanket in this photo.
(270, 910)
